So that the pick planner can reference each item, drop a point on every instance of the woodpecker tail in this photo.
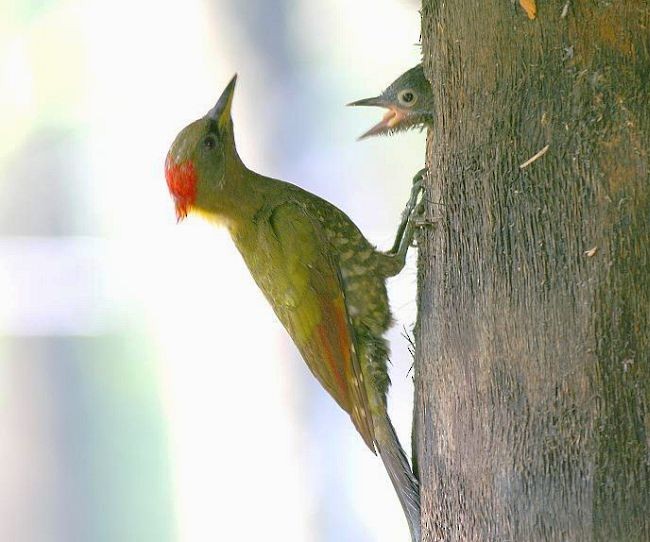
(399, 471)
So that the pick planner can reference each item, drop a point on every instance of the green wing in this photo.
(307, 294)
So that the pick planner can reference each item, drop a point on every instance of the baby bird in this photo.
(409, 101)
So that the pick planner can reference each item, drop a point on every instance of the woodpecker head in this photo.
(196, 162)
(409, 101)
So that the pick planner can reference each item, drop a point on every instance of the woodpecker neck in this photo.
(239, 196)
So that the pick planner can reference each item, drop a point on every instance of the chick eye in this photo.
(407, 97)
(209, 142)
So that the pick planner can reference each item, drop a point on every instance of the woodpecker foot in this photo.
(413, 206)
(421, 175)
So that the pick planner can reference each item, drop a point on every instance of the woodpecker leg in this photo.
(407, 225)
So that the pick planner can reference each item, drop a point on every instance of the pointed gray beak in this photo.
(222, 107)
(376, 101)
(389, 122)
(392, 117)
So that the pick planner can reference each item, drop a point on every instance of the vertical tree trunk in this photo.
(533, 342)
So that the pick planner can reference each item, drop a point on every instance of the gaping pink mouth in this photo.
(391, 119)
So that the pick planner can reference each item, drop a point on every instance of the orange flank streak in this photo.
(337, 348)
(344, 336)
(334, 366)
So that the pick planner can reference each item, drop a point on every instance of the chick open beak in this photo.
(391, 119)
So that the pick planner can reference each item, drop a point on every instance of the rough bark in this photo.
(533, 345)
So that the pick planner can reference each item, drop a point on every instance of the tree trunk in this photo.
(532, 373)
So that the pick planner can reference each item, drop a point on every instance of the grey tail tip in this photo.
(399, 471)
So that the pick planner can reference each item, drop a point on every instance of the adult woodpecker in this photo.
(324, 280)
(409, 101)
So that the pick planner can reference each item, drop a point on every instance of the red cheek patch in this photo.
(181, 180)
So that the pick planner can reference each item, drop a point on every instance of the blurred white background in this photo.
(147, 392)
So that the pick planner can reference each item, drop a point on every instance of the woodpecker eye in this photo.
(209, 142)
(407, 97)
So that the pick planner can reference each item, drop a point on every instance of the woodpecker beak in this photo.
(393, 117)
(221, 111)
(376, 101)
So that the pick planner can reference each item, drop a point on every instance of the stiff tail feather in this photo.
(399, 471)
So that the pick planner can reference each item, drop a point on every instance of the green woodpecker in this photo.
(324, 280)
(409, 101)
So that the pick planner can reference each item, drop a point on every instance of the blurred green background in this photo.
(147, 392)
